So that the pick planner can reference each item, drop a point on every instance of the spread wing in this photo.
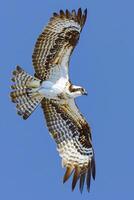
(73, 137)
(56, 43)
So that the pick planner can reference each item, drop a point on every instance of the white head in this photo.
(75, 91)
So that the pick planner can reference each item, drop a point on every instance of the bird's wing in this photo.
(55, 44)
(73, 137)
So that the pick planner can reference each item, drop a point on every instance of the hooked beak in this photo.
(85, 93)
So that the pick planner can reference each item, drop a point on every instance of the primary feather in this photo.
(73, 137)
(55, 44)
(52, 88)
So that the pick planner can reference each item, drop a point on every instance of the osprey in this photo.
(52, 88)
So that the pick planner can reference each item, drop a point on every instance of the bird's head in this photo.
(77, 91)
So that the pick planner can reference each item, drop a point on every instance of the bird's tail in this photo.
(25, 92)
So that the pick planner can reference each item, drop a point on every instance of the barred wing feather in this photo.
(56, 43)
(73, 137)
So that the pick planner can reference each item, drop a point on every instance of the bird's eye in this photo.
(82, 90)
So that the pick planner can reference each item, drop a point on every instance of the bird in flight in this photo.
(51, 87)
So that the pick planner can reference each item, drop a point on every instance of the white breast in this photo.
(50, 90)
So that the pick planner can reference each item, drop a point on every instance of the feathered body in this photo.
(52, 88)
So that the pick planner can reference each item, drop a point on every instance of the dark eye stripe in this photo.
(71, 89)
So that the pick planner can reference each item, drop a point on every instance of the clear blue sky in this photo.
(103, 62)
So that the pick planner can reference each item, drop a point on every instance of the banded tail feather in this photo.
(24, 92)
(66, 124)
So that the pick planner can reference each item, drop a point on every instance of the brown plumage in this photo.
(61, 33)
(69, 124)
(20, 95)
(65, 123)
(68, 173)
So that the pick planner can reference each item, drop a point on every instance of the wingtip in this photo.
(80, 9)
(77, 15)
(62, 13)
(75, 177)
(69, 171)
(84, 17)
(88, 178)
(93, 167)
(82, 180)
(67, 13)
(55, 14)
(85, 12)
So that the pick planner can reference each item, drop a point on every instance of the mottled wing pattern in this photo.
(73, 137)
(56, 43)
